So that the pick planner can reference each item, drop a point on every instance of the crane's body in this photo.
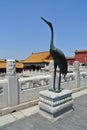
(58, 58)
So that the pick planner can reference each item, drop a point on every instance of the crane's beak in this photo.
(45, 20)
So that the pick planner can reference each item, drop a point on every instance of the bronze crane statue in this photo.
(58, 58)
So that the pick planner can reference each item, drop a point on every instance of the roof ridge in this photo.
(39, 52)
(80, 50)
(34, 53)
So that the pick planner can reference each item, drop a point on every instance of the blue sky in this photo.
(23, 32)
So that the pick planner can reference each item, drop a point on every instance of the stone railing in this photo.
(28, 73)
(33, 82)
(45, 71)
(43, 80)
(14, 90)
(3, 93)
(81, 68)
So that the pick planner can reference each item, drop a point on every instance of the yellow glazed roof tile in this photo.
(38, 57)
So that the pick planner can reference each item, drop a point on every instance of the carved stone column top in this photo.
(11, 67)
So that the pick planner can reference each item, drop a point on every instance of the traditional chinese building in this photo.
(37, 60)
(70, 60)
(81, 56)
(19, 67)
(40, 59)
(2, 66)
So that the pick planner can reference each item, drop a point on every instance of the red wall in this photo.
(70, 61)
(81, 57)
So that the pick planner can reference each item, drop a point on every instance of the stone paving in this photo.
(76, 120)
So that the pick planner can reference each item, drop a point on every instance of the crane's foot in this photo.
(55, 90)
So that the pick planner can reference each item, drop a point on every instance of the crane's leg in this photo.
(55, 66)
(59, 81)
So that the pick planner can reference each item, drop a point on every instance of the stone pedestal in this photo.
(54, 105)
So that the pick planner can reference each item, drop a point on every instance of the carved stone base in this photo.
(54, 105)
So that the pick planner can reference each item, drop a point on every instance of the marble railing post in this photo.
(77, 71)
(13, 93)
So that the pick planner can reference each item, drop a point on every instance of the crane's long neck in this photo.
(52, 33)
(52, 38)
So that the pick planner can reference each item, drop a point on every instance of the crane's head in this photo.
(49, 23)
